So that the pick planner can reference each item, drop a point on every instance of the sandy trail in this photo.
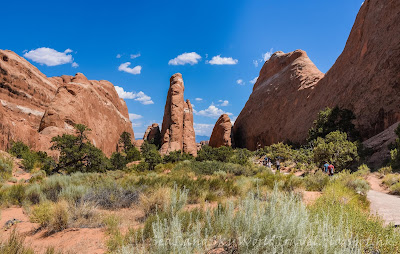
(385, 205)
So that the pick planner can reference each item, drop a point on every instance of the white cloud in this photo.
(212, 112)
(137, 124)
(133, 116)
(267, 55)
(254, 80)
(240, 82)
(140, 96)
(203, 129)
(185, 58)
(218, 60)
(135, 70)
(255, 62)
(49, 57)
(224, 103)
(119, 56)
(233, 119)
(75, 65)
(133, 56)
(198, 99)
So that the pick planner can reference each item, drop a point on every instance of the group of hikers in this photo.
(328, 168)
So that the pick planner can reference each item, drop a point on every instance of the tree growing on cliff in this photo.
(130, 152)
(334, 119)
(395, 151)
(77, 153)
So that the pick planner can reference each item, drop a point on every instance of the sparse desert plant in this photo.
(6, 166)
(13, 180)
(111, 196)
(59, 218)
(385, 171)
(363, 171)
(391, 179)
(395, 189)
(42, 213)
(316, 181)
(15, 245)
(154, 201)
(34, 194)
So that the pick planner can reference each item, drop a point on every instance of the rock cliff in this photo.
(221, 134)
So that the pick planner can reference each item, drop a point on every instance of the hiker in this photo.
(278, 165)
(265, 163)
(331, 170)
(326, 165)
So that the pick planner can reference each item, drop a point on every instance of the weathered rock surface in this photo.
(177, 131)
(153, 134)
(275, 109)
(290, 91)
(35, 108)
(221, 134)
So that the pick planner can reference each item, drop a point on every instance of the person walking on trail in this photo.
(326, 165)
(278, 165)
(331, 170)
(265, 163)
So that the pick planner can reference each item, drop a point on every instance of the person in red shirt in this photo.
(331, 170)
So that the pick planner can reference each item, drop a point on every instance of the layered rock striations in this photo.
(290, 91)
(221, 134)
(177, 132)
(35, 108)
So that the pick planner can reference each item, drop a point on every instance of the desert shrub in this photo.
(316, 181)
(29, 160)
(13, 195)
(279, 151)
(118, 161)
(18, 149)
(154, 201)
(395, 189)
(385, 171)
(241, 156)
(6, 166)
(336, 149)
(15, 245)
(395, 151)
(59, 218)
(38, 176)
(84, 215)
(363, 171)
(34, 194)
(73, 193)
(133, 154)
(53, 185)
(111, 196)
(176, 156)
(77, 154)
(359, 185)
(391, 179)
(248, 225)
(42, 213)
(207, 153)
(142, 166)
(13, 180)
(330, 120)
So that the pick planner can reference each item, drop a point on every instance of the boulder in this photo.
(177, 132)
(221, 134)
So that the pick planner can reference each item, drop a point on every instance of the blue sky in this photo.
(227, 41)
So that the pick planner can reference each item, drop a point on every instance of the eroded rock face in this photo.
(290, 91)
(153, 134)
(35, 108)
(275, 109)
(221, 134)
(177, 131)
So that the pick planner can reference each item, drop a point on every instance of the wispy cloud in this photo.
(212, 111)
(75, 65)
(203, 129)
(254, 80)
(133, 56)
(198, 99)
(118, 56)
(265, 57)
(218, 60)
(135, 70)
(133, 116)
(240, 82)
(50, 57)
(185, 58)
(140, 96)
(223, 103)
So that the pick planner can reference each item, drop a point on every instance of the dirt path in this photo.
(385, 205)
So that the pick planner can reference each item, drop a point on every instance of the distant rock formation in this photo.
(290, 90)
(221, 134)
(202, 143)
(35, 108)
(153, 134)
(177, 131)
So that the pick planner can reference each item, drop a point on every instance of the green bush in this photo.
(15, 245)
(395, 189)
(316, 181)
(336, 149)
(118, 161)
(6, 167)
(42, 213)
(176, 156)
(18, 149)
(133, 154)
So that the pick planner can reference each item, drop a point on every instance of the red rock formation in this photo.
(221, 134)
(177, 131)
(35, 108)
(152, 134)
(290, 91)
(275, 109)
(189, 137)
